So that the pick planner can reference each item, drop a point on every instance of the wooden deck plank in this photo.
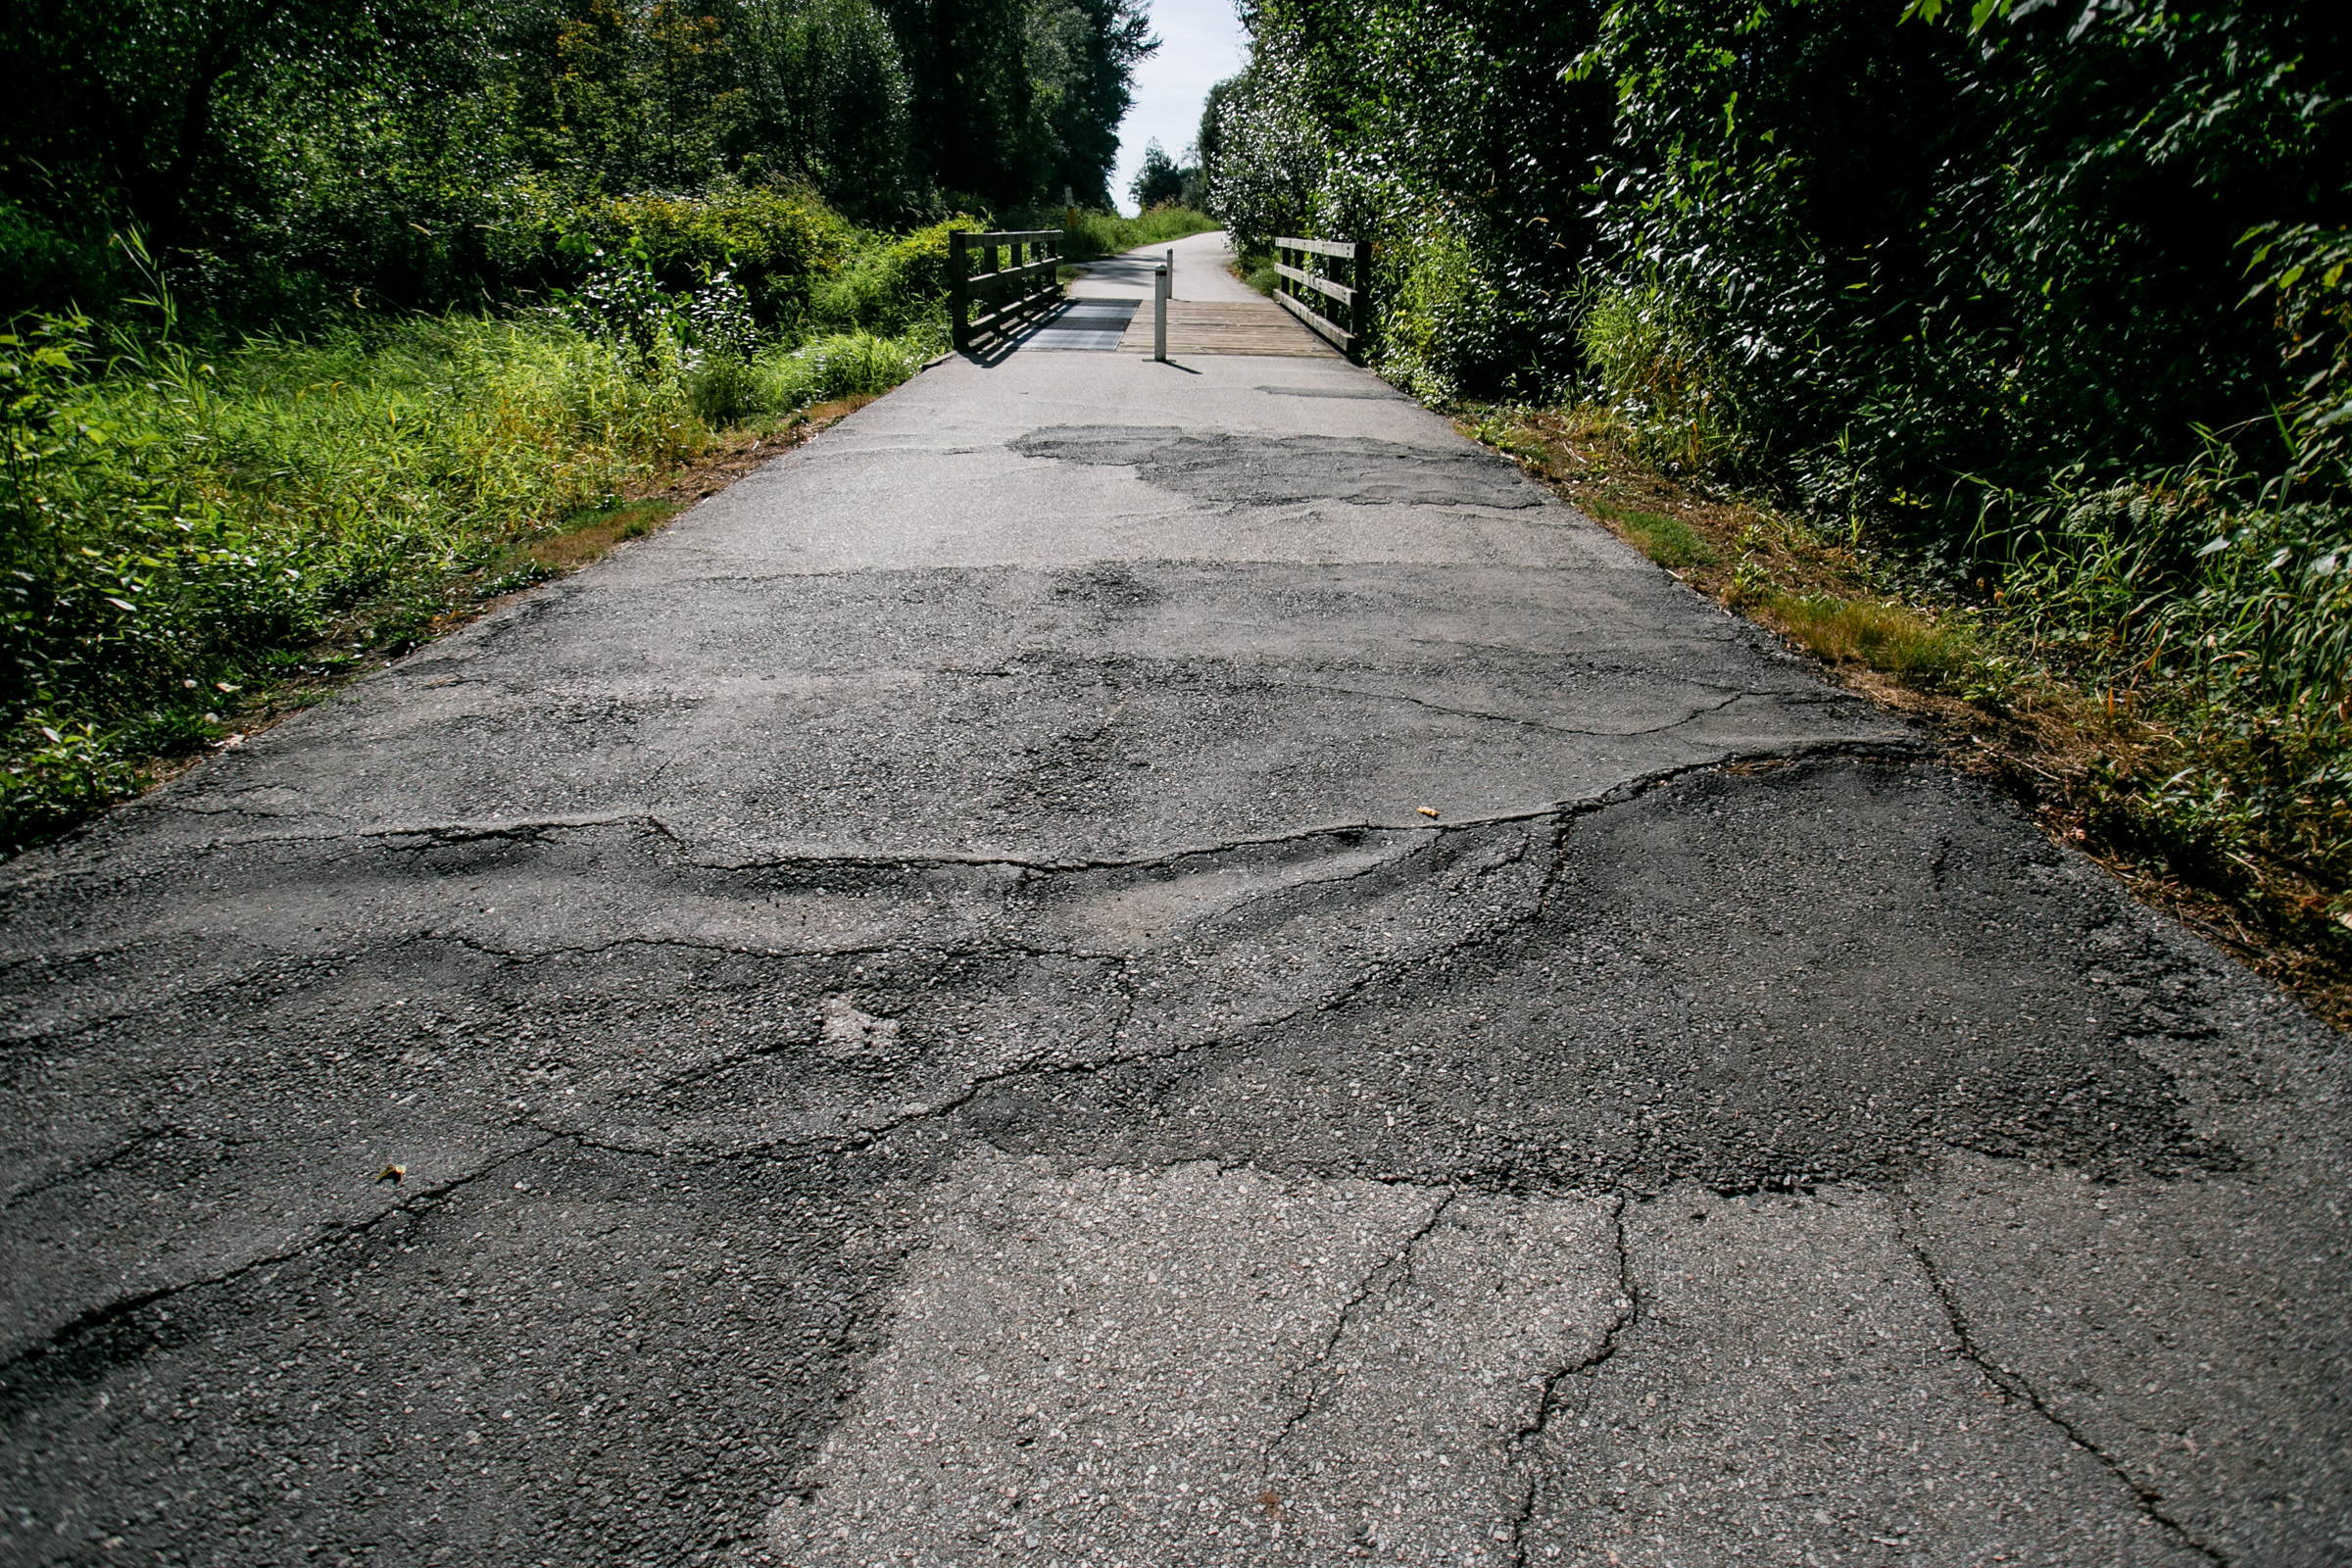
(1206, 326)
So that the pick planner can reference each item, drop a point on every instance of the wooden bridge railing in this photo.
(1308, 289)
(1005, 295)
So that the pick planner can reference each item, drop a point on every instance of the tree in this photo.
(113, 103)
(1014, 99)
(1160, 181)
(289, 158)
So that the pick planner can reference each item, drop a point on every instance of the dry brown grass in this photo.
(2045, 741)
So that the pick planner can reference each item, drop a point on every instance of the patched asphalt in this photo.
(1126, 964)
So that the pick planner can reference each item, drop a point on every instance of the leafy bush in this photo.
(40, 261)
(1441, 313)
(2306, 273)
(53, 778)
(893, 285)
(771, 242)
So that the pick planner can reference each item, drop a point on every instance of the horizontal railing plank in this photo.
(1321, 247)
(1019, 310)
(1316, 281)
(1026, 270)
(1339, 337)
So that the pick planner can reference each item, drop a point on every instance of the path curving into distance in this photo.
(924, 1016)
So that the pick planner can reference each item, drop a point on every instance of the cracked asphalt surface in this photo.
(920, 1016)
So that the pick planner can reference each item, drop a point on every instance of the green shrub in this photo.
(775, 243)
(891, 284)
(40, 262)
(52, 777)
(1437, 308)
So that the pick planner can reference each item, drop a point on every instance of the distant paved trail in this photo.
(923, 1021)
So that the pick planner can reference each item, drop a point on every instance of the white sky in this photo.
(1201, 42)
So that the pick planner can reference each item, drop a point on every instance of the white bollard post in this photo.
(1160, 313)
(1171, 272)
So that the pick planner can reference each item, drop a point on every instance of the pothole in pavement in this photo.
(1260, 470)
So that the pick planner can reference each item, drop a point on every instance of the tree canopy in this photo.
(1161, 180)
(1949, 248)
(277, 155)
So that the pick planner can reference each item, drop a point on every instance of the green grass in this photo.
(2203, 613)
(184, 534)
(1661, 385)
(1883, 635)
(2163, 668)
(781, 381)
(2220, 620)
(1668, 541)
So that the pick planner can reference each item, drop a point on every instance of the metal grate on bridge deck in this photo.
(1083, 324)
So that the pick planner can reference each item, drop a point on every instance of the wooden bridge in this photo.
(1108, 307)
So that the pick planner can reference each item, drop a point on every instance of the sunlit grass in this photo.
(1883, 635)
(1668, 541)
(198, 531)
(1097, 234)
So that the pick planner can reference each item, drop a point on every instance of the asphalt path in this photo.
(1120, 963)
(1202, 272)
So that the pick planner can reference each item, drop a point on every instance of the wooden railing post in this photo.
(961, 273)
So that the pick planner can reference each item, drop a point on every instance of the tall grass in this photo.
(779, 380)
(2222, 615)
(178, 526)
(1674, 404)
